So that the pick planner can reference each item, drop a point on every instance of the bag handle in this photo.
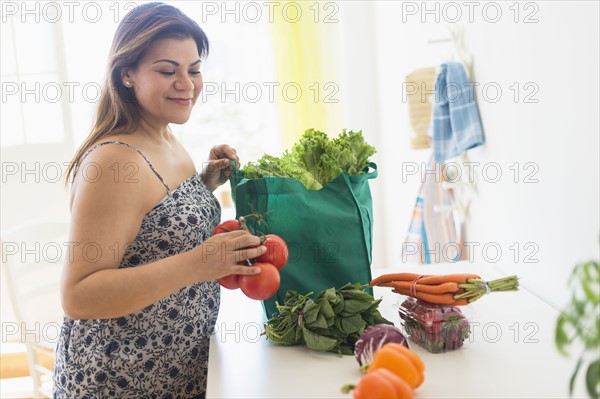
(235, 172)
(373, 173)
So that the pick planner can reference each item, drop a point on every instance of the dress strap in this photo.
(133, 148)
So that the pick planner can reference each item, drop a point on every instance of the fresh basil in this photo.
(332, 321)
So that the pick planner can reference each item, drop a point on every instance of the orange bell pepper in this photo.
(382, 384)
(401, 361)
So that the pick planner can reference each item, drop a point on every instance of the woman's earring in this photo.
(127, 84)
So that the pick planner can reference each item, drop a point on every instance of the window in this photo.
(32, 94)
(53, 66)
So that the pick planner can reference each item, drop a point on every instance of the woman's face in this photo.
(167, 81)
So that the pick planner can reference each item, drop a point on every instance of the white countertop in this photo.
(510, 354)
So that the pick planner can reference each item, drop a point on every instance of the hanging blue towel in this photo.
(455, 125)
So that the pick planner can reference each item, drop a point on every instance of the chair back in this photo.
(33, 255)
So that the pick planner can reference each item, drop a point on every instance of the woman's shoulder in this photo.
(110, 166)
(107, 154)
(113, 183)
(124, 169)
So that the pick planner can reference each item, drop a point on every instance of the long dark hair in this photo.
(117, 110)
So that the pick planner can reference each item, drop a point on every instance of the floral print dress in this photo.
(160, 351)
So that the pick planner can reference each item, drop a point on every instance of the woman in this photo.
(139, 290)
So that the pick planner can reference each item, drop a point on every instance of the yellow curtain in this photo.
(304, 54)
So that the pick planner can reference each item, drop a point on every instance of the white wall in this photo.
(559, 215)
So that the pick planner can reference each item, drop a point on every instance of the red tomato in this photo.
(263, 285)
(230, 282)
(277, 251)
(227, 226)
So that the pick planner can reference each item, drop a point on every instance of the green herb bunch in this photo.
(331, 322)
(580, 320)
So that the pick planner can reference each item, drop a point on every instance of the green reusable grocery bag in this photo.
(328, 231)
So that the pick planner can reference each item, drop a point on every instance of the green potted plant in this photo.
(579, 324)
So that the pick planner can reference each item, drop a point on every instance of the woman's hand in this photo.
(218, 168)
(221, 253)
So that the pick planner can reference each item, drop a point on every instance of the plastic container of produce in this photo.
(437, 328)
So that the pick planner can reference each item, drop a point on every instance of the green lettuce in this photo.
(315, 159)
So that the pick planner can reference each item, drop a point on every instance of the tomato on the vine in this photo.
(227, 226)
(277, 251)
(263, 285)
(230, 282)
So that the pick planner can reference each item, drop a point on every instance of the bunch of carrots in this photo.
(448, 289)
